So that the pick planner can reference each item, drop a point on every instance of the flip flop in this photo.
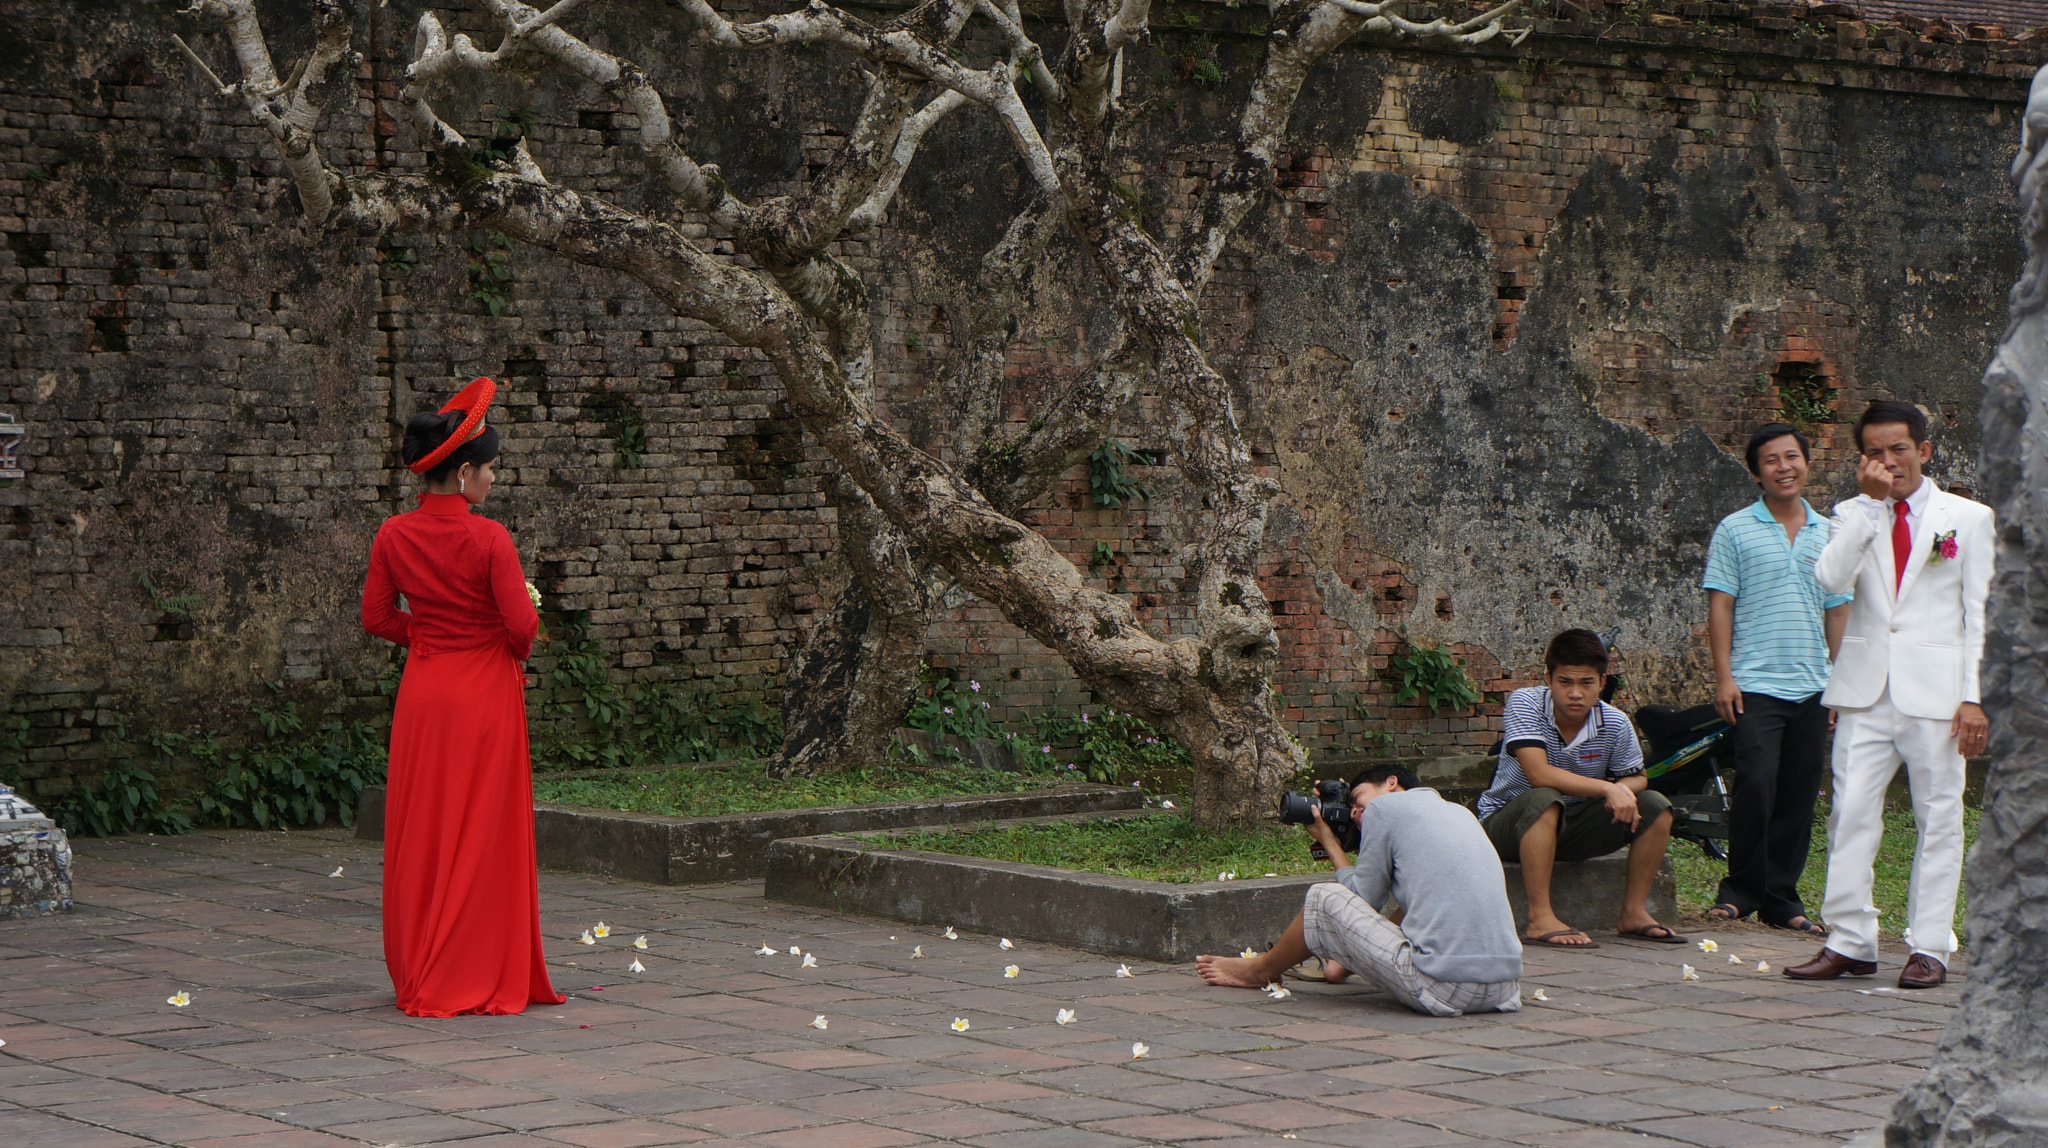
(1643, 934)
(1811, 927)
(1726, 911)
(1546, 942)
(1308, 970)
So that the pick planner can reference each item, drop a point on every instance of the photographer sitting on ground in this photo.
(1452, 948)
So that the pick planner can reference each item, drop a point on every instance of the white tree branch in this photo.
(897, 164)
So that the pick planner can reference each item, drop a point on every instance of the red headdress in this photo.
(474, 399)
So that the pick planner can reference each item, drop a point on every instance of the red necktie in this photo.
(1902, 543)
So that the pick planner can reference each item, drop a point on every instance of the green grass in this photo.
(698, 792)
(1159, 847)
(1699, 877)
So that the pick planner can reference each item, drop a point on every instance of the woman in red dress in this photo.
(461, 896)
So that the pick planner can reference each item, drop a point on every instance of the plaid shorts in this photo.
(1340, 926)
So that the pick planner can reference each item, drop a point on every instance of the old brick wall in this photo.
(1497, 333)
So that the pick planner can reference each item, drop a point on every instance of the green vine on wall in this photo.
(490, 274)
(594, 722)
(1432, 674)
(1109, 480)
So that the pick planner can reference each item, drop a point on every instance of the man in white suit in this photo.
(1905, 686)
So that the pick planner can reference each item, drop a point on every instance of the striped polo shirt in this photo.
(1779, 646)
(1605, 747)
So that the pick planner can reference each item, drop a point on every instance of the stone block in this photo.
(35, 860)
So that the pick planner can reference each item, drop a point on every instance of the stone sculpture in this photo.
(35, 860)
(1988, 1084)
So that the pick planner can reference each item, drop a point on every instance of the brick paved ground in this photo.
(291, 1041)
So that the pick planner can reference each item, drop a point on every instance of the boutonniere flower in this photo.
(1944, 547)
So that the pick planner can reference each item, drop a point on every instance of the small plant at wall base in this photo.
(1109, 480)
(591, 722)
(1432, 674)
(1114, 747)
(944, 708)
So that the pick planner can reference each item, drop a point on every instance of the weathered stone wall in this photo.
(1497, 332)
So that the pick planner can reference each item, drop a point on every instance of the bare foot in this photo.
(1335, 973)
(1232, 972)
(1551, 931)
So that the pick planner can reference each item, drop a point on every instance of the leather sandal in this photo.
(1805, 924)
(1724, 912)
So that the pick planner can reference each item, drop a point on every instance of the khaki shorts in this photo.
(1585, 829)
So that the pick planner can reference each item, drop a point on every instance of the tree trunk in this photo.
(845, 692)
(1988, 1084)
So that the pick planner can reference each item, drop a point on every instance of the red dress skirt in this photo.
(461, 895)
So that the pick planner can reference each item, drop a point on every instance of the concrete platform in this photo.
(1117, 916)
(691, 850)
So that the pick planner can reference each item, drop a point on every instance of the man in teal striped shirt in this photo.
(1773, 632)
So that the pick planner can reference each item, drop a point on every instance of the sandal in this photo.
(1651, 932)
(1801, 924)
(1724, 912)
(1548, 940)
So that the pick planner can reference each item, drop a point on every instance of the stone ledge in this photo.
(1116, 916)
(734, 847)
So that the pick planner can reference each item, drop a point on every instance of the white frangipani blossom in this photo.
(178, 999)
(1140, 1050)
(640, 942)
(1708, 945)
(636, 966)
(1733, 959)
(1688, 973)
(917, 954)
(601, 930)
(959, 1024)
(810, 960)
(1539, 995)
(336, 873)
(586, 938)
(1248, 954)
(818, 1021)
(796, 950)
(1064, 1016)
(1278, 991)
(1125, 971)
(949, 934)
(1010, 972)
(767, 950)
(1005, 944)
(1763, 966)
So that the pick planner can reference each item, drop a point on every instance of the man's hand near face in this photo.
(1327, 838)
(1873, 477)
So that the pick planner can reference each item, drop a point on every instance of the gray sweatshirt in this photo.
(1436, 861)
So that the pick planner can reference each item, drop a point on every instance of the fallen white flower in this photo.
(1247, 954)
(1688, 973)
(1064, 1016)
(1733, 959)
(959, 1024)
(602, 930)
(1278, 991)
(1125, 971)
(636, 966)
(1226, 876)
(917, 954)
(1166, 805)
(1763, 966)
(810, 960)
(796, 951)
(178, 999)
(1272, 874)
(1539, 995)
(1010, 972)
(336, 873)
(586, 938)
(949, 934)
(1707, 945)
(1140, 1050)
(1005, 944)
(818, 1021)
(767, 950)
(640, 942)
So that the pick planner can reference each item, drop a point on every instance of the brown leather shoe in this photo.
(1922, 972)
(1829, 965)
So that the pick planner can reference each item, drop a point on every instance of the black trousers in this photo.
(1780, 755)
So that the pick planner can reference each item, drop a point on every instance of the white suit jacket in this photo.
(1925, 640)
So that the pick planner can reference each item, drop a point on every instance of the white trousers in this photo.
(1870, 744)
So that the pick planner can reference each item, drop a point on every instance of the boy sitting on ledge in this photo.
(1570, 786)
(1450, 949)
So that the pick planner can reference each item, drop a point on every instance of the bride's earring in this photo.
(462, 485)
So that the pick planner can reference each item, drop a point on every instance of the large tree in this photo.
(908, 515)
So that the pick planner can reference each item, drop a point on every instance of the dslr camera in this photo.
(1333, 800)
